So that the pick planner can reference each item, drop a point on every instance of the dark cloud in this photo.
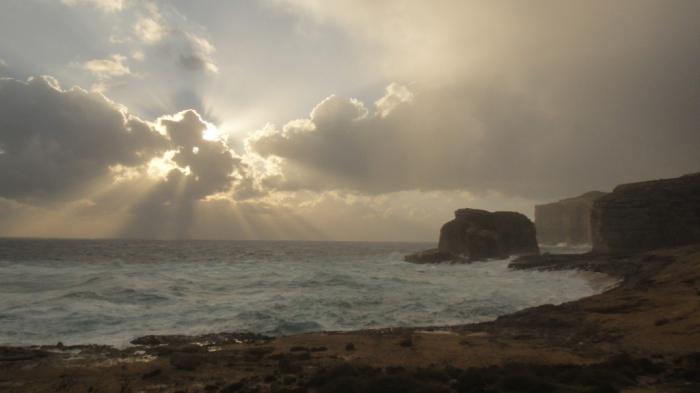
(566, 99)
(530, 100)
(210, 163)
(54, 140)
(189, 51)
(88, 155)
(192, 63)
(204, 168)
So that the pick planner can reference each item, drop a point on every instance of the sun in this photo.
(211, 133)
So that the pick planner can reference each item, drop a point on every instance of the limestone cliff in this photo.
(648, 215)
(566, 221)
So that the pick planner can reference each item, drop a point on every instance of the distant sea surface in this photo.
(112, 291)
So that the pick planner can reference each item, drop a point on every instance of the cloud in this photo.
(495, 105)
(104, 5)
(202, 168)
(190, 51)
(210, 163)
(154, 29)
(72, 156)
(479, 138)
(149, 29)
(74, 164)
(534, 100)
(110, 67)
(54, 141)
(195, 52)
(396, 95)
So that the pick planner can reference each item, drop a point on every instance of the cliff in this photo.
(648, 215)
(566, 221)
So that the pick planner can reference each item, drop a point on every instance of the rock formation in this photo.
(566, 221)
(432, 255)
(479, 234)
(648, 215)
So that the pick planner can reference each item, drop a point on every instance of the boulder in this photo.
(566, 221)
(648, 215)
(478, 234)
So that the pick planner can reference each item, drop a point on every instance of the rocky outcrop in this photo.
(479, 234)
(648, 215)
(566, 221)
(432, 255)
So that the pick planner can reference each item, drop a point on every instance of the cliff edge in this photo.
(566, 221)
(647, 215)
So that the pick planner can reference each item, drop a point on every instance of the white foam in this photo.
(269, 288)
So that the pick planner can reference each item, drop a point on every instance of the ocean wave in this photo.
(126, 289)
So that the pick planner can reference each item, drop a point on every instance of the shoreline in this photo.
(600, 282)
(408, 295)
(645, 331)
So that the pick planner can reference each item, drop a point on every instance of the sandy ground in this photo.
(641, 336)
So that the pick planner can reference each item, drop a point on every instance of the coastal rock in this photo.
(432, 255)
(648, 215)
(566, 221)
(478, 234)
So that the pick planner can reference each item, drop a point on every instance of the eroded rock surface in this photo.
(648, 215)
(478, 234)
(432, 255)
(566, 221)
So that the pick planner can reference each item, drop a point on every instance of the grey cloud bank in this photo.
(539, 99)
(56, 140)
(486, 105)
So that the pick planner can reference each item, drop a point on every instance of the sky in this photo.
(332, 120)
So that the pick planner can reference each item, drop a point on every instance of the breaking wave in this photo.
(109, 292)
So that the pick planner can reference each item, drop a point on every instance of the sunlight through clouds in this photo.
(336, 120)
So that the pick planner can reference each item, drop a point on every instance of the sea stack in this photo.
(648, 215)
(566, 221)
(478, 235)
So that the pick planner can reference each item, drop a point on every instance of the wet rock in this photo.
(9, 354)
(205, 339)
(432, 255)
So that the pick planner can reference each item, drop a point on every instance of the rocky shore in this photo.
(642, 336)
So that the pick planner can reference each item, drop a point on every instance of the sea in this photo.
(112, 291)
